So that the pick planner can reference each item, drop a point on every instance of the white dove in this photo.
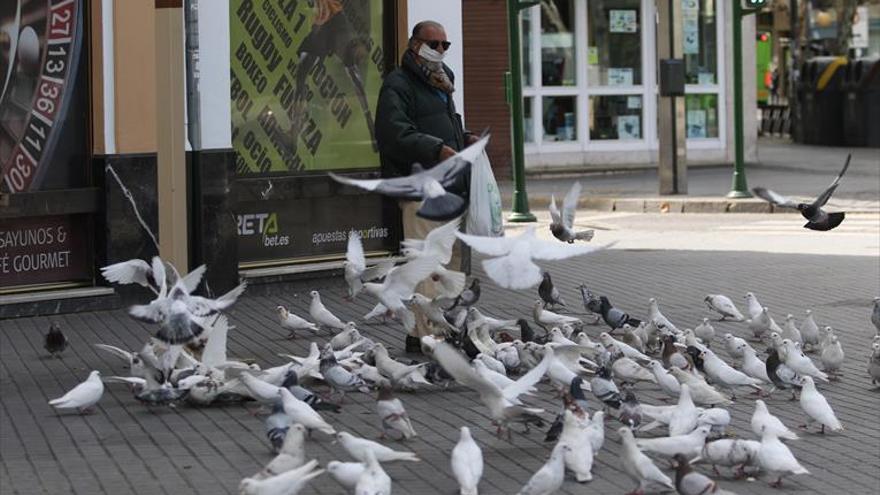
(291, 456)
(500, 402)
(701, 392)
(817, 408)
(346, 473)
(639, 467)
(511, 266)
(810, 331)
(832, 354)
(655, 316)
(684, 416)
(321, 315)
(730, 452)
(393, 416)
(627, 350)
(355, 269)
(735, 345)
(689, 444)
(374, 480)
(467, 463)
(579, 459)
(724, 306)
(725, 375)
(302, 413)
(791, 331)
(287, 483)
(776, 459)
(629, 371)
(399, 286)
(83, 396)
(292, 322)
(596, 431)
(752, 364)
(667, 382)
(358, 448)
(754, 306)
(549, 319)
(799, 362)
(550, 476)
(762, 420)
(705, 331)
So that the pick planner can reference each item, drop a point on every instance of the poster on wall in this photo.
(690, 26)
(629, 127)
(305, 80)
(623, 21)
(43, 137)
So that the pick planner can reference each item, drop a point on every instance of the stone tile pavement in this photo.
(128, 448)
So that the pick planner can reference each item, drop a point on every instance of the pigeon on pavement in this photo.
(639, 467)
(690, 482)
(289, 483)
(56, 341)
(832, 354)
(874, 363)
(684, 416)
(358, 448)
(654, 315)
(689, 444)
(762, 420)
(292, 322)
(550, 476)
(291, 455)
(467, 463)
(705, 332)
(346, 473)
(775, 458)
(817, 218)
(817, 408)
(509, 259)
(83, 396)
(374, 480)
(427, 185)
(548, 292)
(810, 332)
(730, 452)
(321, 315)
(562, 222)
(468, 297)
(393, 416)
(399, 286)
(613, 317)
(302, 413)
(724, 306)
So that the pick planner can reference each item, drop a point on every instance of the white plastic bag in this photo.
(484, 211)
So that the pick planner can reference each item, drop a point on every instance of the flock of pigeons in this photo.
(503, 361)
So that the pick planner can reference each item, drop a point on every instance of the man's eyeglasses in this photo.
(436, 43)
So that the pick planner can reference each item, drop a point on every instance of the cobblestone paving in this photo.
(128, 448)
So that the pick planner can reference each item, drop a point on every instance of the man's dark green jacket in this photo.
(413, 121)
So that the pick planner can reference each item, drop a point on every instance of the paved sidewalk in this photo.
(790, 169)
(128, 448)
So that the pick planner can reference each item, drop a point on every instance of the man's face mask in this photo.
(429, 54)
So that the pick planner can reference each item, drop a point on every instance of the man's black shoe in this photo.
(413, 345)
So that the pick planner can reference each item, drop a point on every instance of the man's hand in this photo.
(446, 152)
(471, 139)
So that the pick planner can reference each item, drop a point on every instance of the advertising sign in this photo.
(43, 137)
(305, 79)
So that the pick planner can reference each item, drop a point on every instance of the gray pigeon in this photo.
(630, 411)
(428, 185)
(562, 222)
(548, 293)
(339, 378)
(818, 219)
(690, 482)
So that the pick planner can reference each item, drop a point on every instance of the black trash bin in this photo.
(858, 119)
(827, 85)
(869, 97)
(802, 122)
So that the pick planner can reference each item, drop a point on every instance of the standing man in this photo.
(416, 122)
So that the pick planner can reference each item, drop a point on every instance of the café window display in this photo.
(589, 74)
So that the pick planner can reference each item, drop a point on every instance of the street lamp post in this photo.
(739, 188)
(520, 205)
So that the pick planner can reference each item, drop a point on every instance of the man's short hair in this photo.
(417, 29)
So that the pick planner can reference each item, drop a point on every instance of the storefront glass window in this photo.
(560, 118)
(699, 41)
(616, 117)
(526, 26)
(557, 43)
(614, 48)
(528, 122)
(702, 116)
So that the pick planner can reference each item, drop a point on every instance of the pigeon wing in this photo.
(492, 246)
(215, 349)
(530, 379)
(379, 270)
(826, 195)
(569, 205)
(401, 187)
(774, 197)
(403, 279)
(549, 250)
(134, 271)
(192, 279)
(457, 366)
(555, 215)
(439, 241)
